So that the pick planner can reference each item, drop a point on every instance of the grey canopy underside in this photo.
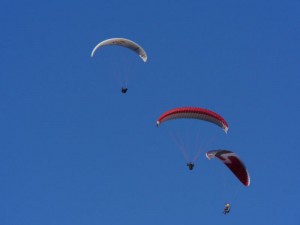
(125, 43)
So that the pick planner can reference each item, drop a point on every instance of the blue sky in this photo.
(74, 150)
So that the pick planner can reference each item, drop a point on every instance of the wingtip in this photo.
(207, 156)
(226, 129)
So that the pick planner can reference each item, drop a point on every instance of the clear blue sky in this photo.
(75, 151)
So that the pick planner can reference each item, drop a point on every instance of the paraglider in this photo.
(226, 208)
(124, 90)
(194, 113)
(233, 162)
(190, 165)
(126, 43)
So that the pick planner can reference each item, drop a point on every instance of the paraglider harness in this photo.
(227, 208)
(190, 165)
(124, 90)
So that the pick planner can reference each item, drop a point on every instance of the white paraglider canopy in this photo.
(125, 43)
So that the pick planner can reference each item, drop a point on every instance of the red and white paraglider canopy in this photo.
(233, 162)
(194, 113)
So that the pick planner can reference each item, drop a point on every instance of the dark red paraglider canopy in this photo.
(233, 162)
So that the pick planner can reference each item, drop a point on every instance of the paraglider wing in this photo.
(233, 162)
(194, 113)
(125, 43)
